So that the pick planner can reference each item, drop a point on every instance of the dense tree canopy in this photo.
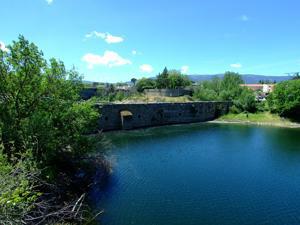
(162, 79)
(176, 80)
(167, 79)
(145, 83)
(227, 89)
(39, 105)
(43, 127)
(209, 90)
(230, 86)
(285, 100)
(246, 101)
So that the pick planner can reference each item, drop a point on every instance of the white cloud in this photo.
(236, 65)
(184, 69)
(49, 2)
(109, 58)
(135, 52)
(110, 39)
(3, 47)
(113, 39)
(244, 18)
(146, 68)
(95, 34)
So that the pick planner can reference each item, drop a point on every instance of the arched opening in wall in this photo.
(126, 119)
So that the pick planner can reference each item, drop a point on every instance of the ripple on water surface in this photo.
(203, 174)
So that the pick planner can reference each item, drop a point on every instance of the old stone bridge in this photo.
(138, 115)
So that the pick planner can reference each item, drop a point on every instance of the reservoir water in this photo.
(202, 174)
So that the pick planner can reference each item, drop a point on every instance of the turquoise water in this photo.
(208, 174)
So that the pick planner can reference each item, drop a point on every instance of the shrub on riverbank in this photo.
(285, 100)
(227, 89)
(41, 116)
(17, 190)
(40, 108)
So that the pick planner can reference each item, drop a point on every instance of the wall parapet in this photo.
(138, 115)
(167, 92)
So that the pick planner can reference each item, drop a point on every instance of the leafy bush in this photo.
(39, 106)
(17, 194)
(167, 79)
(120, 96)
(262, 106)
(162, 79)
(227, 89)
(208, 90)
(246, 102)
(230, 86)
(176, 80)
(43, 131)
(205, 94)
(285, 100)
(145, 83)
(171, 79)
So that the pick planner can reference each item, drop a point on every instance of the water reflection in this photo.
(203, 174)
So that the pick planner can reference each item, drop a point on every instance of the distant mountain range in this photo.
(248, 78)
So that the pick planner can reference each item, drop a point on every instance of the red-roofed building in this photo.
(265, 88)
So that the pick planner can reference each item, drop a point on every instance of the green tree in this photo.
(177, 80)
(39, 106)
(120, 96)
(246, 102)
(133, 80)
(17, 192)
(285, 99)
(227, 89)
(208, 90)
(205, 94)
(145, 83)
(231, 86)
(162, 79)
(296, 76)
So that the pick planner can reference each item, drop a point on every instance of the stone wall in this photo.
(167, 92)
(131, 116)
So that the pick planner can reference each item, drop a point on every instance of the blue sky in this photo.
(115, 40)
